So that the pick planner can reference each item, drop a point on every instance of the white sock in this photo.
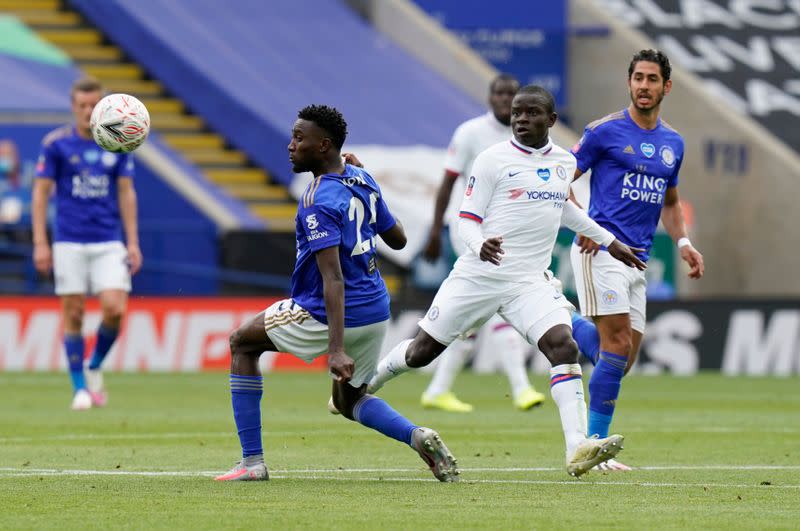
(393, 364)
(451, 361)
(567, 392)
(510, 346)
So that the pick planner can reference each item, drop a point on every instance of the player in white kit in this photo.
(514, 204)
(469, 139)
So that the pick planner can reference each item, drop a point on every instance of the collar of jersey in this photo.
(637, 126)
(544, 150)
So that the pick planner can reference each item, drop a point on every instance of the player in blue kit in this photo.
(635, 158)
(95, 207)
(339, 304)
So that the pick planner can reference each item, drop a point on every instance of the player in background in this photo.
(516, 198)
(339, 304)
(469, 139)
(635, 158)
(95, 213)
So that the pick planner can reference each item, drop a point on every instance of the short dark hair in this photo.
(500, 78)
(537, 90)
(86, 84)
(652, 56)
(327, 118)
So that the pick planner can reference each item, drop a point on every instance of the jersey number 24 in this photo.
(356, 214)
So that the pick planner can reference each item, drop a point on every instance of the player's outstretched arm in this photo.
(395, 237)
(341, 365)
(672, 218)
(578, 220)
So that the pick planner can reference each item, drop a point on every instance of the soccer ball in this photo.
(120, 123)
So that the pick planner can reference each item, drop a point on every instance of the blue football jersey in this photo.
(631, 171)
(87, 209)
(345, 210)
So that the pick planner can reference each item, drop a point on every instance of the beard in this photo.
(655, 99)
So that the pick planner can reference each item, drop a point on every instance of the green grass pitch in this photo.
(710, 452)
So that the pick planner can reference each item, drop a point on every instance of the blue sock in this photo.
(603, 391)
(73, 345)
(246, 394)
(105, 338)
(374, 413)
(584, 332)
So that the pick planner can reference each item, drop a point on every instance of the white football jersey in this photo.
(517, 192)
(469, 139)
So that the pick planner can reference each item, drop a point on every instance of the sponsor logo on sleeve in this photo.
(470, 186)
(311, 221)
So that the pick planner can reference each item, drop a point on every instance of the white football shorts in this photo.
(606, 286)
(83, 268)
(293, 330)
(464, 303)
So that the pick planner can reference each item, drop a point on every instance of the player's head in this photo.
(501, 92)
(533, 113)
(317, 137)
(649, 79)
(85, 94)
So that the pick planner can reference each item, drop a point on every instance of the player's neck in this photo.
(334, 165)
(644, 119)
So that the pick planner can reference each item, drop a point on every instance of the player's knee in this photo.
(112, 315)
(73, 315)
(236, 341)
(619, 341)
(423, 350)
(559, 347)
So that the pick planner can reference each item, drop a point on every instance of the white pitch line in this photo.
(589, 483)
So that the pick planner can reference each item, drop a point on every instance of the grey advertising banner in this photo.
(736, 337)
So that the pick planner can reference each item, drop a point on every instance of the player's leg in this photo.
(109, 277)
(247, 343)
(70, 270)
(542, 314)
(584, 331)
(406, 355)
(438, 394)
(616, 343)
(363, 345)
(503, 340)
(566, 387)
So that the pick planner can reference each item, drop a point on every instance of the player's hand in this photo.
(433, 249)
(134, 258)
(626, 255)
(351, 159)
(341, 366)
(588, 245)
(42, 258)
(491, 250)
(693, 257)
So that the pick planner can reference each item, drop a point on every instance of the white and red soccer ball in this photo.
(120, 123)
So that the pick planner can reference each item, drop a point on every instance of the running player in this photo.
(635, 157)
(509, 220)
(339, 304)
(469, 139)
(95, 207)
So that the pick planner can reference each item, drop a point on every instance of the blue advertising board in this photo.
(523, 38)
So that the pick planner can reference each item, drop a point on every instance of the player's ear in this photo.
(325, 145)
(553, 118)
(667, 86)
